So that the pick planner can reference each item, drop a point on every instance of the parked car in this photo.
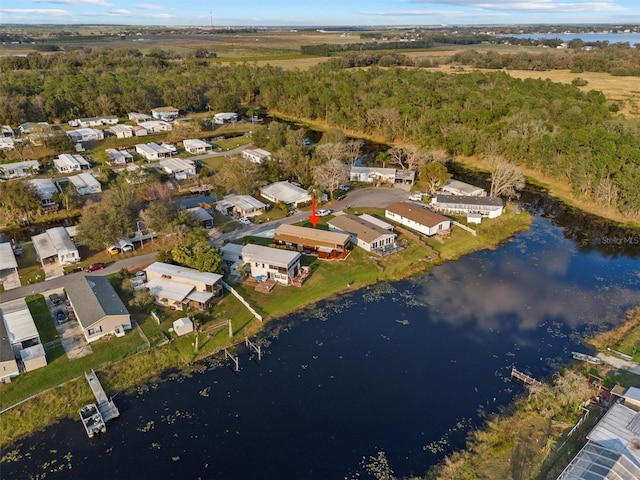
(323, 212)
(344, 188)
(17, 251)
(113, 250)
(244, 221)
(60, 316)
(55, 299)
(127, 248)
(416, 197)
(95, 266)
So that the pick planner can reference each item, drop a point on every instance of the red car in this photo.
(95, 266)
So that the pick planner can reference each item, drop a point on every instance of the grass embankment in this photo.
(528, 439)
(362, 268)
(328, 278)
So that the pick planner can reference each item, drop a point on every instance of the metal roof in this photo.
(286, 192)
(45, 187)
(94, 298)
(466, 188)
(55, 241)
(245, 202)
(633, 393)
(361, 228)
(177, 164)
(200, 213)
(84, 180)
(273, 256)
(470, 200)
(184, 273)
(165, 288)
(6, 352)
(7, 258)
(32, 352)
(376, 221)
(18, 321)
(195, 143)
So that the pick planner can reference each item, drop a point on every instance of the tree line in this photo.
(554, 128)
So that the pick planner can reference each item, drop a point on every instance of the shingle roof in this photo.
(93, 298)
(417, 214)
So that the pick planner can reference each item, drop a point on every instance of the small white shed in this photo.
(182, 326)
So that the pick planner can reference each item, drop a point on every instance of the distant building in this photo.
(286, 193)
(256, 155)
(154, 126)
(240, 206)
(328, 245)
(66, 163)
(152, 151)
(204, 217)
(46, 189)
(181, 287)
(225, 118)
(55, 245)
(82, 135)
(85, 183)
(118, 157)
(456, 187)
(365, 234)
(490, 207)
(179, 168)
(19, 169)
(91, 122)
(97, 306)
(22, 334)
(121, 131)
(139, 117)
(195, 146)
(417, 218)
(165, 113)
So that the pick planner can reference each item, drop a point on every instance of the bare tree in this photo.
(506, 178)
(331, 151)
(331, 174)
(607, 192)
(353, 148)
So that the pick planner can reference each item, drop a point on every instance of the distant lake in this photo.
(406, 368)
(631, 38)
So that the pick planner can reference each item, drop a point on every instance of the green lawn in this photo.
(29, 268)
(42, 317)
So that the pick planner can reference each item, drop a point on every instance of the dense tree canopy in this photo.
(551, 127)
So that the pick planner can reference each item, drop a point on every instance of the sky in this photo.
(319, 12)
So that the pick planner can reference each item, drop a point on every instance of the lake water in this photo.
(631, 38)
(405, 368)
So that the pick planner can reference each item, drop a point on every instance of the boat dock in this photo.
(526, 379)
(587, 358)
(92, 420)
(107, 408)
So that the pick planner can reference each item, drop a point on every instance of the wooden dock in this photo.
(107, 408)
(526, 379)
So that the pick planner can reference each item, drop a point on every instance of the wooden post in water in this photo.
(252, 345)
(233, 359)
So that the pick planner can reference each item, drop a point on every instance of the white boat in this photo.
(586, 358)
(92, 420)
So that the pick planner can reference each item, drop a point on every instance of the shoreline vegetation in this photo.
(126, 370)
(528, 438)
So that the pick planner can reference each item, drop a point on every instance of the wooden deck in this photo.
(526, 379)
(107, 408)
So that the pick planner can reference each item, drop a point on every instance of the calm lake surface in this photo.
(405, 368)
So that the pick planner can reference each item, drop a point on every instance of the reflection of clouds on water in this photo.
(529, 283)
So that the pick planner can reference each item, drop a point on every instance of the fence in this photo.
(464, 227)
(242, 300)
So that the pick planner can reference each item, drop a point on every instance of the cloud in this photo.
(118, 13)
(55, 12)
(545, 6)
(431, 13)
(161, 15)
(97, 3)
(148, 6)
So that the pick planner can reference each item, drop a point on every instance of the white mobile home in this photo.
(85, 184)
(55, 245)
(196, 146)
(19, 169)
(46, 189)
(67, 163)
(152, 151)
(417, 218)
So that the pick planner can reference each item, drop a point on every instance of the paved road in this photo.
(226, 153)
(367, 197)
